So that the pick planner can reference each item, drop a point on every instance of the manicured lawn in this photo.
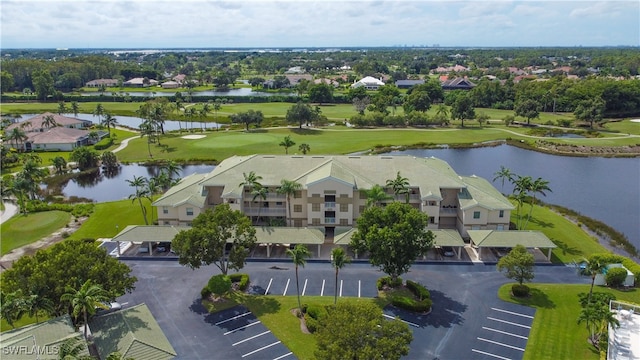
(555, 333)
(624, 127)
(573, 243)
(24, 320)
(106, 216)
(22, 230)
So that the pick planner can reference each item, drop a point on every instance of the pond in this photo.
(231, 92)
(134, 122)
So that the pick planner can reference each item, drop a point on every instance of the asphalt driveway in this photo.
(463, 296)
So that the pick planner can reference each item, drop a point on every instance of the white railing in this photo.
(329, 205)
(329, 220)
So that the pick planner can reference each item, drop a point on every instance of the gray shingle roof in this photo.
(480, 192)
(496, 238)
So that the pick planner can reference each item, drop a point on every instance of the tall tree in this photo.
(206, 242)
(13, 306)
(286, 143)
(591, 110)
(594, 266)
(358, 330)
(62, 108)
(75, 108)
(339, 259)
(99, 111)
(259, 193)
(397, 226)
(517, 264)
(251, 181)
(141, 192)
(85, 300)
(110, 121)
(417, 101)
(528, 109)
(300, 113)
(248, 118)
(35, 303)
(289, 188)
(376, 195)
(538, 186)
(298, 255)
(17, 136)
(147, 129)
(321, 93)
(503, 174)
(49, 122)
(42, 84)
(400, 186)
(463, 109)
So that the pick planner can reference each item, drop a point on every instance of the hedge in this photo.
(386, 281)
(103, 144)
(76, 210)
(520, 290)
(418, 290)
(313, 315)
(615, 277)
(241, 279)
(219, 284)
(411, 304)
(611, 258)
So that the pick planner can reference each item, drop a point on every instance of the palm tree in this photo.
(288, 188)
(142, 192)
(13, 307)
(190, 113)
(60, 164)
(538, 186)
(522, 185)
(71, 348)
(75, 108)
(109, 120)
(62, 108)
(251, 181)
(503, 174)
(338, 260)
(597, 318)
(36, 303)
(376, 195)
(519, 198)
(298, 255)
(304, 148)
(146, 129)
(99, 112)
(171, 168)
(49, 121)
(216, 107)
(259, 192)
(594, 266)
(287, 143)
(17, 135)
(400, 185)
(85, 300)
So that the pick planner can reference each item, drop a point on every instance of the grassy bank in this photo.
(22, 230)
(555, 333)
(109, 218)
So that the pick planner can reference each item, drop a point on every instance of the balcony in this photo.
(266, 211)
(329, 205)
(445, 211)
(329, 220)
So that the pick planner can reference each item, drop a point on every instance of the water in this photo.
(134, 122)
(110, 187)
(607, 189)
(231, 92)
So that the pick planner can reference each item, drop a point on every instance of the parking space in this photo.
(504, 332)
(248, 336)
(311, 286)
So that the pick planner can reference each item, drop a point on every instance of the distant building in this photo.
(139, 82)
(102, 82)
(368, 82)
(406, 84)
(170, 85)
(458, 83)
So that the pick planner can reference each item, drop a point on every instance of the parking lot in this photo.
(504, 332)
(248, 336)
(311, 285)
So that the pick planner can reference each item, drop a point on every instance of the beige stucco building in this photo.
(333, 192)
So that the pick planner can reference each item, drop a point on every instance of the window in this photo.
(363, 195)
(315, 222)
(315, 195)
(344, 222)
(432, 220)
(165, 210)
(476, 214)
(344, 196)
(166, 223)
(344, 207)
(297, 222)
(500, 227)
(501, 213)
(315, 207)
(361, 208)
(297, 194)
(189, 211)
(297, 208)
(278, 203)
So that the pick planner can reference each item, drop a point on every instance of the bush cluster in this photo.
(103, 144)
(520, 290)
(411, 304)
(241, 279)
(615, 277)
(313, 315)
(205, 292)
(418, 290)
(219, 284)
(610, 258)
(77, 210)
(386, 281)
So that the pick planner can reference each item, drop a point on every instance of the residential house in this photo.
(67, 133)
(458, 83)
(294, 79)
(140, 82)
(102, 82)
(406, 84)
(368, 82)
(170, 85)
(333, 192)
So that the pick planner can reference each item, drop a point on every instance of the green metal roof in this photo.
(161, 233)
(480, 192)
(511, 238)
(187, 191)
(447, 237)
(132, 332)
(342, 235)
(46, 336)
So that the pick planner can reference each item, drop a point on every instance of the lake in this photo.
(231, 92)
(134, 122)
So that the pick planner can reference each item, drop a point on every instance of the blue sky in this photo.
(260, 23)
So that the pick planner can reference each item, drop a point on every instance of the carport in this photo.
(487, 239)
(449, 237)
(265, 236)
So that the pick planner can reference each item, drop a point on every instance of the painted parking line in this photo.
(233, 318)
(509, 322)
(340, 288)
(322, 290)
(501, 344)
(505, 333)
(304, 288)
(268, 286)
(359, 287)
(490, 354)
(283, 356)
(404, 321)
(242, 327)
(260, 349)
(286, 287)
(513, 313)
(250, 338)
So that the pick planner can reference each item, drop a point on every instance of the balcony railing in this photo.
(330, 220)
(329, 205)
(266, 211)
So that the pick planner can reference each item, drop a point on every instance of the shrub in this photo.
(205, 292)
(616, 276)
(410, 304)
(316, 312)
(520, 290)
(241, 279)
(610, 258)
(418, 290)
(103, 144)
(596, 298)
(219, 284)
(386, 281)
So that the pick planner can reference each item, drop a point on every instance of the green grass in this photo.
(24, 229)
(109, 218)
(573, 243)
(555, 333)
(24, 321)
(624, 127)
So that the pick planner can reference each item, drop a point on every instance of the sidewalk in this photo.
(10, 210)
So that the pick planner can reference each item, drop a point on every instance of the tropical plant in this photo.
(287, 142)
(376, 195)
(594, 266)
(289, 188)
(49, 122)
(251, 181)
(503, 174)
(400, 186)
(18, 136)
(62, 108)
(538, 186)
(304, 148)
(338, 260)
(109, 121)
(517, 264)
(35, 303)
(59, 164)
(597, 318)
(85, 300)
(259, 192)
(13, 306)
(99, 111)
(75, 108)
(298, 255)
(72, 349)
(109, 160)
(141, 192)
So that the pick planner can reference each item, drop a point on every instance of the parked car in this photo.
(111, 307)
(447, 251)
(164, 247)
(501, 252)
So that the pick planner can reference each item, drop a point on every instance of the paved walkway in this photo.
(124, 144)
(10, 210)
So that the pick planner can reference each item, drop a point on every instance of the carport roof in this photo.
(447, 237)
(264, 235)
(496, 238)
